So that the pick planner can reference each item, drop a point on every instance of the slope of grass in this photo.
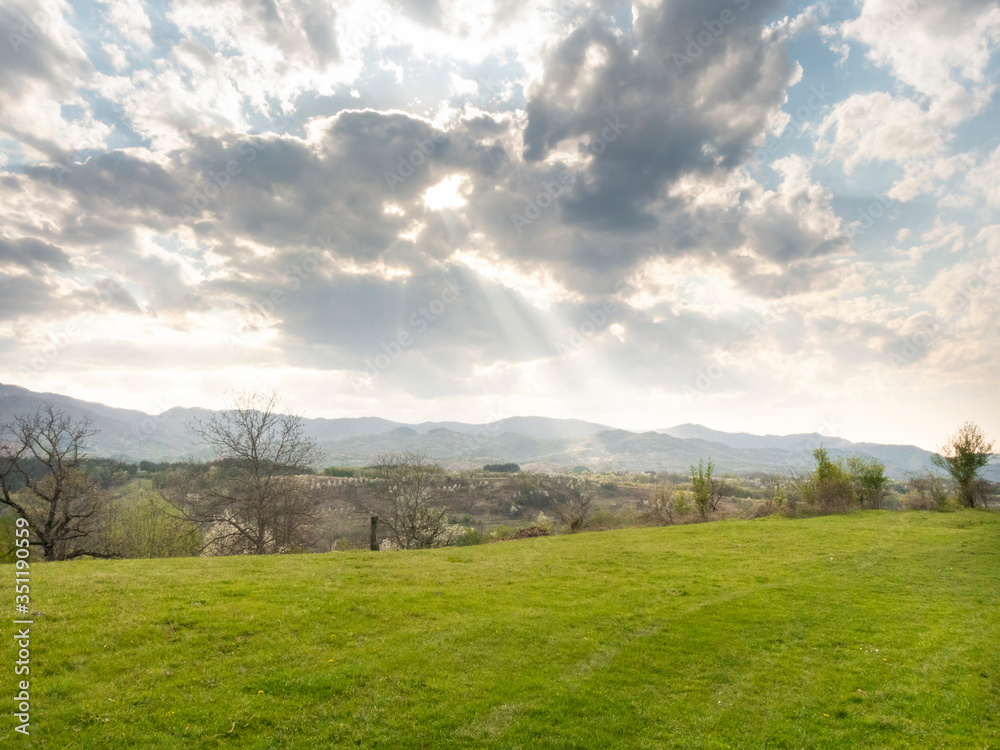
(865, 630)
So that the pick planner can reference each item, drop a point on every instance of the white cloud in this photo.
(878, 126)
(130, 19)
(940, 50)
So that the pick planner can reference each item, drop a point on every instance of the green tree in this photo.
(701, 481)
(963, 456)
(828, 489)
(868, 481)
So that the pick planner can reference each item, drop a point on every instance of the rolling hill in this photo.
(534, 442)
(863, 630)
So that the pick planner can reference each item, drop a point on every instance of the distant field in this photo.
(871, 630)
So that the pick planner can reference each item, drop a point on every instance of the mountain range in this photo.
(540, 443)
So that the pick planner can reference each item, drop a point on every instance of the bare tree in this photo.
(927, 491)
(963, 456)
(249, 500)
(572, 504)
(718, 489)
(42, 479)
(406, 494)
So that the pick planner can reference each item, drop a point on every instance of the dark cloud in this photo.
(655, 105)
(32, 254)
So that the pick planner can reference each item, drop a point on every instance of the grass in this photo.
(868, 630)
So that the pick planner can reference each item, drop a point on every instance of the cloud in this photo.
(44, 67)
(940, 50)
(703, 105)
(878, 126)
(275, 190)
(32, 254)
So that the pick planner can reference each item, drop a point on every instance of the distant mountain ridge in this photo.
(542, 443)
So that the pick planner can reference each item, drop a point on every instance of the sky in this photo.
(753, 215)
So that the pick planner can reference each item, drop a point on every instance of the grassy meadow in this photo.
(865, 630)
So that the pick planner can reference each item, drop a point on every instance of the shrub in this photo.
(603, 519)
(469, 538)
(927, 491)
(502, 532)
(543, 522)
(682, 506)
(828, 489)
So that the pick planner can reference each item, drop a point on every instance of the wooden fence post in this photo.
(374, 533)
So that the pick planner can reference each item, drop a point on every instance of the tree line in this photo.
(250, 497)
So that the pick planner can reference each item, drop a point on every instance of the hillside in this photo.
(534, 442)
(863, 630)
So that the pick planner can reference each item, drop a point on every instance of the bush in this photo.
(337, 471)
(543, 522)
(502, 532)
(682, 506)
(469, 538)
(828, 489)
(603, 520)
(927, 491)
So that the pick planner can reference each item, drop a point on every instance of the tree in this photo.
(701, 482)
(927, 491)
(406, 493)
(249, 500)
(963, 456)
(718, 489)
(42, 479)
(661, 509)
(868, 480)
(572, 503)
(828, 488)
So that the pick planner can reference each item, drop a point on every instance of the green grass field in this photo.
(859, 631)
